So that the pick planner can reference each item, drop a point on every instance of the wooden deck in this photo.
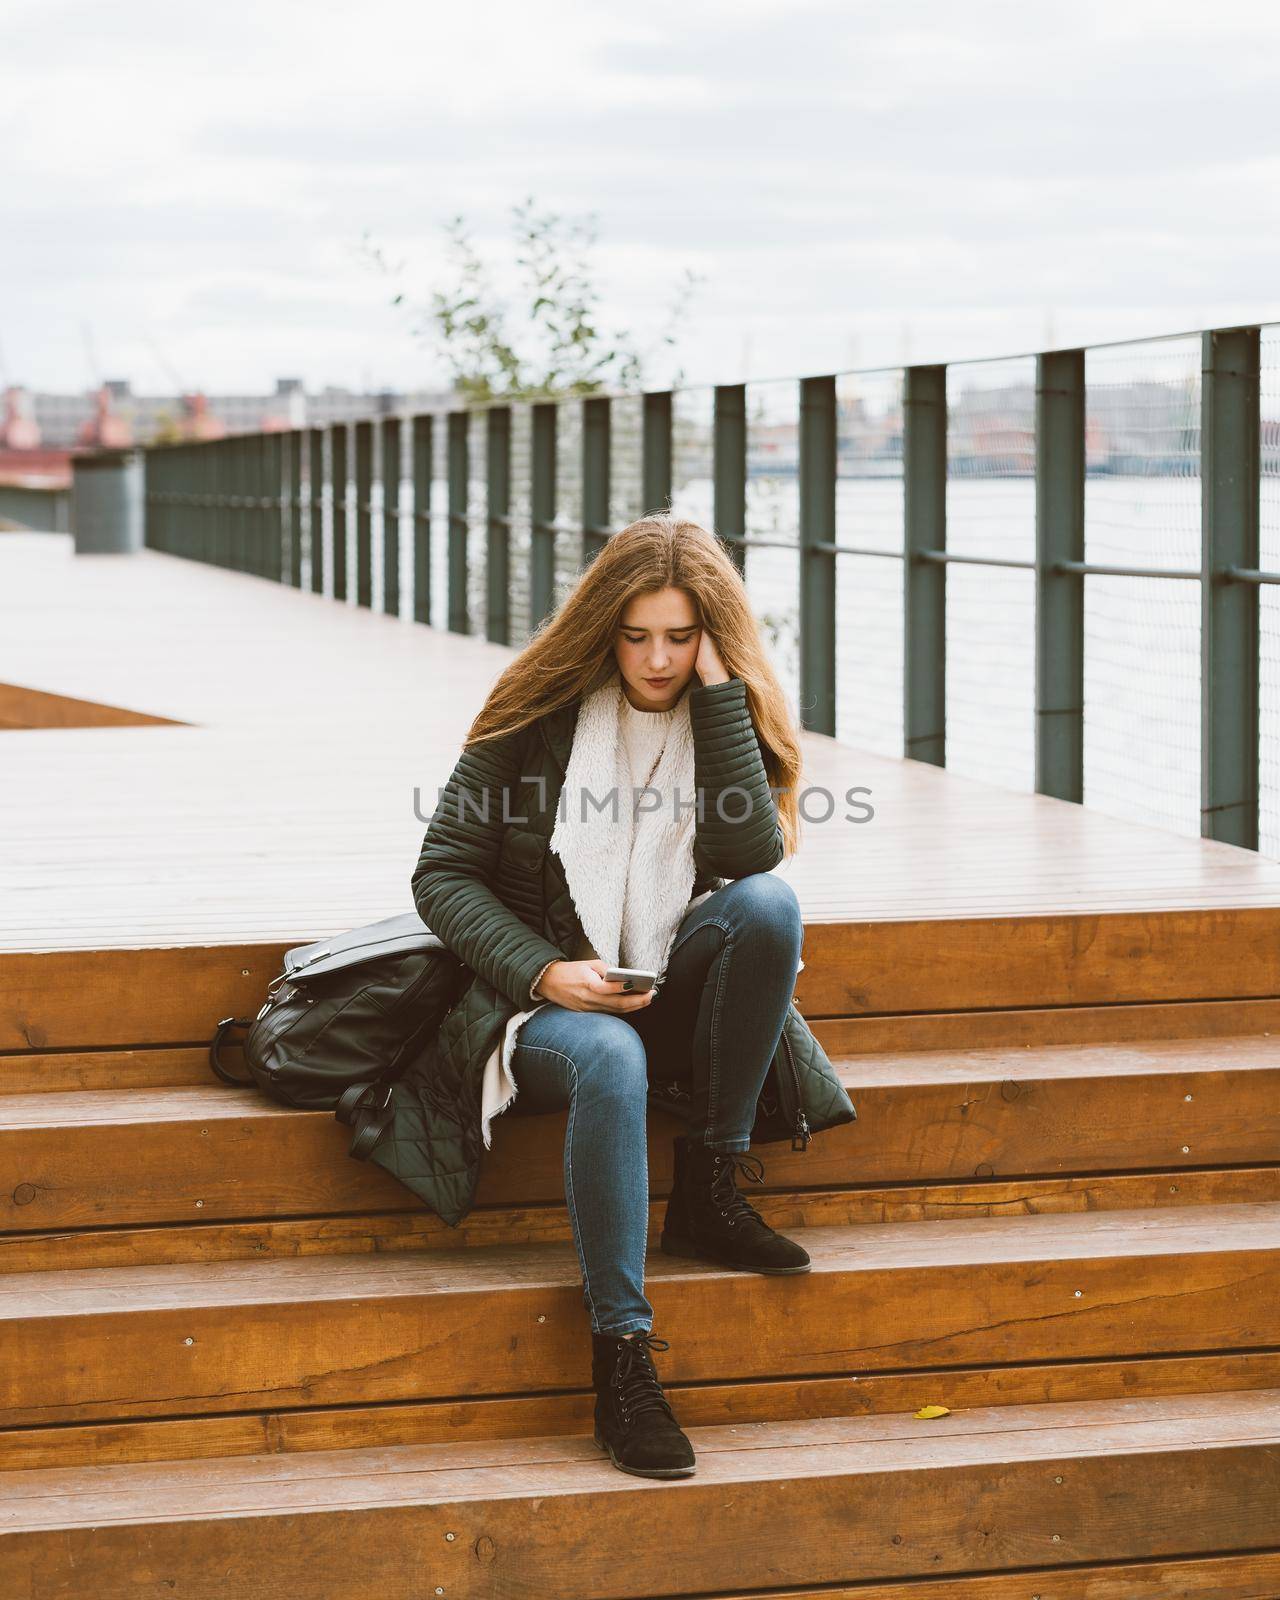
(1058, 1213)
(279, 802)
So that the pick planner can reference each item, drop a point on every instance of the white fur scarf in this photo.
(628, 858)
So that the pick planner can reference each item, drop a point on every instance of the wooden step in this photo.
(138, 1066)
(413, 1230)
(207, 1338)
(1018, 1027)
(823, 1501)
(98, 998)
(561, 1411)
(136, 1156)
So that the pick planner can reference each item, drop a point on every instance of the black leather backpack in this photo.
(344, 1019)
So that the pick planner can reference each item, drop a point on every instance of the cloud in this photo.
(832, 168)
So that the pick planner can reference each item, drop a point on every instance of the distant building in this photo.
(105, 429)
(19, 429)
(64, 421)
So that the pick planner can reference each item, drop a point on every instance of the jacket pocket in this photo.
(522, 850)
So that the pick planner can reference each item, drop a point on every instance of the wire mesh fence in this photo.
(991, 512)
(869, 600)
(771, 573)
(1142, 634)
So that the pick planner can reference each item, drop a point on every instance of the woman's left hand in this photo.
(708, 664)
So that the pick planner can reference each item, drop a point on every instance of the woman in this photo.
(613, 806)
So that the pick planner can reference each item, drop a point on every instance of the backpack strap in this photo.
(366, 1107)
(215, 1051)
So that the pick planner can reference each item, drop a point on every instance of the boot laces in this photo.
(734, 1207)
(635, 1379)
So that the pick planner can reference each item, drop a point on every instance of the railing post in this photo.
(233, 490)
(244, 490)
(817, 566)
(315, 521)
(364, 512)
(148, 503)
(258, 513)
(209, 487)
(205, 517)
(167, 482)
(182, 543)
(109, 492)
(392, 470)
(1060, 464)
(338, 501)
(542, 511)
(655, 471)
(189, 503)
(1230, 479)
(218, 493)
(226, 513)
(258, 518)
(244, 493)
(423, 472)
(190, 508)
(196, 510)
(173, 521)
(729, 468)
(595, 477)
(277, 490)
(459, 524)
(924, 583)
(268, 527)
(164, 507)
(153, 481)
(295, 443)
(213, 490)
(498, 504)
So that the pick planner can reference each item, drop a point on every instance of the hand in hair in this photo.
(580, 986)
(708, 664)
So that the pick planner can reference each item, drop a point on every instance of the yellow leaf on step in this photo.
(934, 1411)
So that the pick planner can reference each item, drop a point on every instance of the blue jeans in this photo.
(715, 1022)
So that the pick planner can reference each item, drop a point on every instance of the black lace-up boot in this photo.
(634, 1421)
(708, 1218)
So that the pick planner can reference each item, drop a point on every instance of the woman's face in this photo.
(657, 639)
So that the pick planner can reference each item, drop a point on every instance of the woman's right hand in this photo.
(581, 986)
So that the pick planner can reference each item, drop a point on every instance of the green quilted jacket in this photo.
(497, 896)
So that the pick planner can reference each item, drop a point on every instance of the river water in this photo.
(1142, 635)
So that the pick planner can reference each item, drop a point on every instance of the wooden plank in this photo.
(859, 1499)
(1249, 1577)
(991, 1030)
(159, 1066)
(227, 1336)
(94, 998)
(412, 1228)
(853, 968)
(165, 1155)
(265, 1432)
(64, 1071)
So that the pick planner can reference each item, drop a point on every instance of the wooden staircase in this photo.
(237, 1363)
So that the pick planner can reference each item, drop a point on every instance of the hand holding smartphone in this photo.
(581, 986)
(634, 980)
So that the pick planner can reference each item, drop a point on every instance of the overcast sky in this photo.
(185, 189)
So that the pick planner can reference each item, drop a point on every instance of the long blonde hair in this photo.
(570, 652)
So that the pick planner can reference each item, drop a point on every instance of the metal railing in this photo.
(38, 509)
(455, 544)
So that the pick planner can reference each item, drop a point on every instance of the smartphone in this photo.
(638, 979)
